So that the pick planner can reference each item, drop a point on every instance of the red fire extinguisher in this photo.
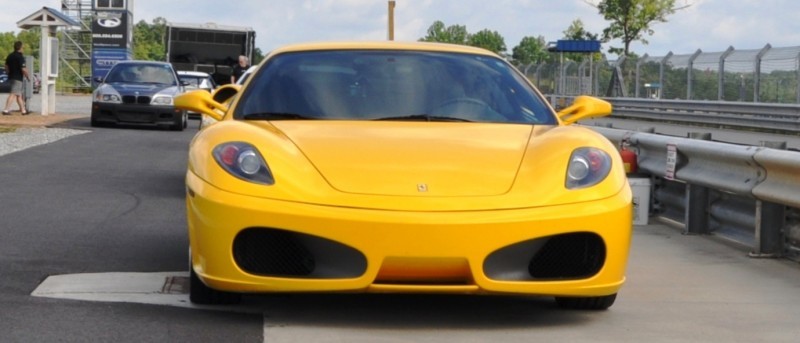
(628, 158)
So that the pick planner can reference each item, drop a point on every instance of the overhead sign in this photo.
(565, 45)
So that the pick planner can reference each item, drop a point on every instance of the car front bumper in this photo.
(135, 114)
(298, 247)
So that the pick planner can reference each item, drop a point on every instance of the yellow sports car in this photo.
(402, 167)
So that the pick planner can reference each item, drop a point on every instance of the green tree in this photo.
(258, 56)
(454, 34)
(31, 39)
(489, 40)
(631, 20)
(531, 50)
(148, 40)
(7, 40)
(576, 31)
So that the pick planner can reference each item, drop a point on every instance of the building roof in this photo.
(211, 26)
(46, 17)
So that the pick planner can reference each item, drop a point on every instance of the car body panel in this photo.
(420, 238)
(400, 204)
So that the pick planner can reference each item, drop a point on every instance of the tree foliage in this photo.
(489, 40)
(454, 34)
(148, 40)
(458, 34)
(29, 38)
(531, 50)
(631, 20)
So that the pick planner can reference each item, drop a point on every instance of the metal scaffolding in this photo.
(76, 46)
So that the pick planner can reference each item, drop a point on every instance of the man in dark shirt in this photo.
(240, 68)
(16, 69)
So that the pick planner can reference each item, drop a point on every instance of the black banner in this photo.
(110, 30)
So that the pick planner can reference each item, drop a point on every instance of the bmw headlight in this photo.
(161, 99)
(108, 95)
(242, 160)
(587, 167)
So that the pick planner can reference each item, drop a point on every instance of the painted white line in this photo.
(161, 288)
(142, 288)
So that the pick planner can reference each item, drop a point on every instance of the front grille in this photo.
(272, 252)
(569, 256)
(282, 253)
(133, 99)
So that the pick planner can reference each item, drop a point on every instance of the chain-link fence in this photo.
(757, 75)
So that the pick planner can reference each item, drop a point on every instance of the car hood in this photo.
(143, 89)
(411, 158)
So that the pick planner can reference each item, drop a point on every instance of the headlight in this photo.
(161, 100)
(242, 160)
(587, 167)
(106, 96)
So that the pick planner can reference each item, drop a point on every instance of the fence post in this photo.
(721, 76)
(769, 221)
(689, 74)
(697, 201)
(757, 72)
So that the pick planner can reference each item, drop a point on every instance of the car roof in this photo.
(193, 73)
(383, 45)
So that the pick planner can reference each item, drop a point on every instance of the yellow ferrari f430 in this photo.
(402, 167)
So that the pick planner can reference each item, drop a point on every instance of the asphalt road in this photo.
(111, 200)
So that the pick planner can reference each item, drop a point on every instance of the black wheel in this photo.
(95, 123)
(180, 122)
(199, 293)
(587, 303)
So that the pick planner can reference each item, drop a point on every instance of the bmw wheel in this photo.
(180, 122)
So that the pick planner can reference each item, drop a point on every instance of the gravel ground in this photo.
(19, 132)
(26, 137)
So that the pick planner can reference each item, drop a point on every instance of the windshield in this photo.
(142, 73)
(391, 85)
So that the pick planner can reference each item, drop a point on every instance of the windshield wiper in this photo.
(424, 117)
(274, 116)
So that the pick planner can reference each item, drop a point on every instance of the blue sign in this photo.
(104, 59)
(574, 46)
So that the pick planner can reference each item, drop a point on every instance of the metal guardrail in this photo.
(758, 116)
(767, 178)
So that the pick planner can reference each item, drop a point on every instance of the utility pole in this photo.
(391, 20)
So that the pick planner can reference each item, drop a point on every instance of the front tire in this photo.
(181, 122)
(586, 303)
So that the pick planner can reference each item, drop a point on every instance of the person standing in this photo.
(16, 69)
(240, 68)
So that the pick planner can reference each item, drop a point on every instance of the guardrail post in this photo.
(697, 201)
(696, 217)
(770, 220)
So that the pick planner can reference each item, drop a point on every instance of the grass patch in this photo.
(7, 129)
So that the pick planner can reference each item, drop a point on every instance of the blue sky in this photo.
(709, 25)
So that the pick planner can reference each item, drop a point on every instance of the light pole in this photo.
(391, 20)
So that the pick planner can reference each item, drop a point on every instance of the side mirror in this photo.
(201, 101)
(224, 94)
(584, 107)
(98, 79)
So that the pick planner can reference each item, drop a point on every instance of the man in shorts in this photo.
(16, 69)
